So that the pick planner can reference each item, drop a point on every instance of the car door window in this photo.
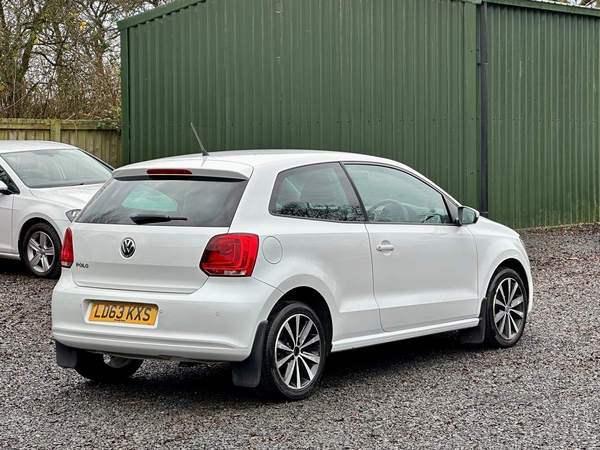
(320, 191)
(391, 195)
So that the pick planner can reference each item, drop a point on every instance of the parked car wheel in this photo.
(507, 309)
(295, 352)
(40, 251)
(105, 368)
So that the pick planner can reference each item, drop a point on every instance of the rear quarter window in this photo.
(202, 201)
(319, 191)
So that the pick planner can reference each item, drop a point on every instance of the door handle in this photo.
(385, 247)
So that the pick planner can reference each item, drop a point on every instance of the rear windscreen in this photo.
(171, 201)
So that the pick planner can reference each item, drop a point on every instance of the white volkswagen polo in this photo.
(271, 260)
(43, 185)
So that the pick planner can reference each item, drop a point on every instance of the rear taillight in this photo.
(67, 256)
(230, 255)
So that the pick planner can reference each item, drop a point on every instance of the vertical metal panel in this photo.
(544, 108)
(125, 96)
(395, 78)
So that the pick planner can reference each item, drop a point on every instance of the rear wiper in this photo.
(153, 218)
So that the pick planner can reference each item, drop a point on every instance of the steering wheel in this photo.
(432, 218)
(402, 211)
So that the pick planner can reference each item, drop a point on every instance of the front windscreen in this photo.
(166, 201)
(57, 167)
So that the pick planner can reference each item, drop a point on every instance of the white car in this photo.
(42, 187)
(271, 260)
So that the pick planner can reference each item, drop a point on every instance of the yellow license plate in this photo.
(123, 313)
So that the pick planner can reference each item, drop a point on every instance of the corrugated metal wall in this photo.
(544, 72)
(385, 77)
(397, 78)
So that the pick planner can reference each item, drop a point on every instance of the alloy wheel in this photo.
(40, 252)
(509, 308)
(298, 351)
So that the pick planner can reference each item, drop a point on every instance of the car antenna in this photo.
(204, 152)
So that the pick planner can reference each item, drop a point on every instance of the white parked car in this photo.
(42, 187)
(271, 260)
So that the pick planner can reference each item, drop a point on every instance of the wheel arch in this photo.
(248, 373)
(509, 260)
(476, 335)
(28, 224)
(508, 336)
(313, 299)
(515, 265)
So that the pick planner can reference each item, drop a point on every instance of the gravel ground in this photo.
(431, 392)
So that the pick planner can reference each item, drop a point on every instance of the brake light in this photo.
(168, 172)
(67, 256)
(230, 255)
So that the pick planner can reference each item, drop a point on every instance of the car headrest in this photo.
(27, 161)
(319, 190)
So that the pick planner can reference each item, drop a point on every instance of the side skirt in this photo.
(382, 338)
(14, 256)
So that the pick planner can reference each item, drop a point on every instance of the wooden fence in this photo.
(105, 143)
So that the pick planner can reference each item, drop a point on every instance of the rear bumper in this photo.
(216, 323)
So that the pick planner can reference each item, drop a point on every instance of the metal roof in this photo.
(538, 4)
(549, 6)
(156, 13)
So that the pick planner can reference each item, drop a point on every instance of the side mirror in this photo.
(4, 188)
(467, 216)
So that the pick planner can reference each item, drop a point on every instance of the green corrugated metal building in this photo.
(497, 102)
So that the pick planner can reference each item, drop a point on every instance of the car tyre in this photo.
(40, 251)
(294, 354)
(506, 309)
(105, 368)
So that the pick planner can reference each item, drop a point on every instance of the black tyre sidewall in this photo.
(271, 384)
(92, 366)
(54, 270)
(492, 337)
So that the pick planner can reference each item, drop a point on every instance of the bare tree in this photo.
(60, 58)
(583, 3)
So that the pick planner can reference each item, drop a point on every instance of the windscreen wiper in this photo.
(153, 218)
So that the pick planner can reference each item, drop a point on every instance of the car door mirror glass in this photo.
(467, 216)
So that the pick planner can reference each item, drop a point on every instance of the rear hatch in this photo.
(163, 260)
(146, 230)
